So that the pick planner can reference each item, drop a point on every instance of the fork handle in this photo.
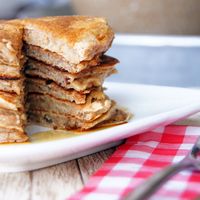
(146, 189)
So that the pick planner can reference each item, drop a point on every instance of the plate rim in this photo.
(61, 147)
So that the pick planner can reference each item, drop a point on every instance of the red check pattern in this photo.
(140, 157)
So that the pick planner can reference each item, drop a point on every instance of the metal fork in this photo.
(146, 189)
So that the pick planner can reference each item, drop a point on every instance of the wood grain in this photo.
(193, 120)
(90, 164)
(52, 183)
(57, 182)
(15, 186)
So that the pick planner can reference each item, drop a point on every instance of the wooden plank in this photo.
(90, 164)
(15, 186)
(56, 182)
(193, 120)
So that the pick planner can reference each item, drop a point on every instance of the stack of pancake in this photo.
(12, 117)
(56, 78)
(65, 71)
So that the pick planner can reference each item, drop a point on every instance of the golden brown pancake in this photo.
(12, 85)
(12, 119)
(67, 122)
(64, 73)
(113, 117)
(54, 59)
(87, 112)
(42, 86)
(75, 38)
(12, 116)
(10, 44)
(12, 135)
(79, 82)
(11, 101)
(10, 72)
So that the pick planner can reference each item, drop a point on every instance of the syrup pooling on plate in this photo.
(52, 135)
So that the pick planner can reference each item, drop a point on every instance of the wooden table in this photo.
(59, 181)
(52, 183)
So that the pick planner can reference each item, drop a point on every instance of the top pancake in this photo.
(75, 38)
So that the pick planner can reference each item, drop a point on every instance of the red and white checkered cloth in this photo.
(140, 157)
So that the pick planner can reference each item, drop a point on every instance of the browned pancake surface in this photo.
(10, 44)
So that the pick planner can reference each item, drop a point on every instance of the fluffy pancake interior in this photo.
(8, 135)
(12, 85)
(8, 71)
(54, 59)
(12, 119)
(80, 82)
(35, 85)
(67, 122)
(11, 101)
(10, 44)
(76, 38)
(88, 111)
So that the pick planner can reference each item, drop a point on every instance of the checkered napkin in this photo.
(142, 156)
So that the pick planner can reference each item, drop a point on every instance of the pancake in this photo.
(10, 44)
(12, 116)
(12, 135)
(54, 59)
(75, 38)
(88, 112)
(12, 85)
(35, 85)
(68, 122)
(114, 116)
(57, 77)
(81, 82)
(12, 119)
(9, 72)
(120, 116)
(11, 101)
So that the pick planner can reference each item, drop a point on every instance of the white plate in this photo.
(152, 106)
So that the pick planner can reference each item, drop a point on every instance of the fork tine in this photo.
(198, 142)
(196, 148)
